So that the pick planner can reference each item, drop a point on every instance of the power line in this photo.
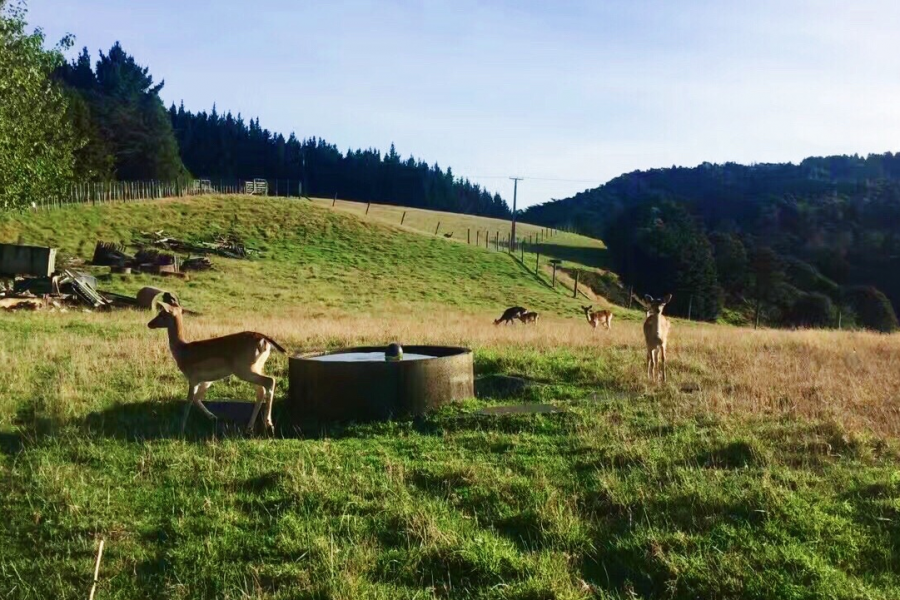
(595, 181)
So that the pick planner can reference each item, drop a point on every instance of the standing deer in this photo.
(510, 315)
(656, 333)
(600, 317)
(243, 355)
(529, 317)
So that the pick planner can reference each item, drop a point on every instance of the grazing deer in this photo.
(243, 355)
(656, 334)
(600, 317)
(529, 317)
(510, 314)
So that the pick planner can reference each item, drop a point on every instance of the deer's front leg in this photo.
(198, 393)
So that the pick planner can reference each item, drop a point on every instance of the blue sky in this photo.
(576, 91)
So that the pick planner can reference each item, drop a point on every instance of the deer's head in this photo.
(587, 309)
(167, 316)
(655, 305)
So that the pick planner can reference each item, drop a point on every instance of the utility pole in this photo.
(516, 181)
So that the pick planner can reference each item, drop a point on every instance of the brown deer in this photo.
(510, 315)
(656, 334)
(600, 317)
(529, 317)
(243, 355)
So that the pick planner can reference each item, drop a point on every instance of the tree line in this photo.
(65, 122)
(812, 244)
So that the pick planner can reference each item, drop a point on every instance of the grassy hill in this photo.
(765, 468)
(470, 229)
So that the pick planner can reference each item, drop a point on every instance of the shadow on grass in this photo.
(591, 257)
(529, 271)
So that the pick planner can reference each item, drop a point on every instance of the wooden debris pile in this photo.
(228, 246)
(156, 253)
(58, 292)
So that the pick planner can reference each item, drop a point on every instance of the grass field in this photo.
(766, 468)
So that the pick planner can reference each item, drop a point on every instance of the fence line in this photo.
(115, 192)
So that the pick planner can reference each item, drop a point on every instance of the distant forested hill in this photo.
(801, 243)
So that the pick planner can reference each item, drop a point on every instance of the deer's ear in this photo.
(667, 298)
(648, 297)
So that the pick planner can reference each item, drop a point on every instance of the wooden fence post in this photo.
(537, 262)
(403, 218)
(575, 292)
(436, 228)
(468, 236)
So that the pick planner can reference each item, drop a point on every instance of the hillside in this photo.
(764, 468)
(833, 224)
(311, 255)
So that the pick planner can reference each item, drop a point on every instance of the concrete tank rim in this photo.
(449, 352)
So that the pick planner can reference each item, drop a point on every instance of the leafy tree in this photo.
(659, 249)
(812, 310)
(37, 142)
(767, 279)
(732, 262)
(872, 308)
(123, 117)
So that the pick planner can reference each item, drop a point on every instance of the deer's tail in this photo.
(275, 344)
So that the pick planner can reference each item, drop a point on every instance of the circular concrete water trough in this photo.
(358, 384)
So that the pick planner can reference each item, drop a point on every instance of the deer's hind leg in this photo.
(265, 392)
(260, 400)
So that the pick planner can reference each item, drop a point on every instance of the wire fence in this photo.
(115, 192)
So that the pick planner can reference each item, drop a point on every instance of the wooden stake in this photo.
(97, 570)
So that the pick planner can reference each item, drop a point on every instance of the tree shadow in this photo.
(531, 272)
(591, 257)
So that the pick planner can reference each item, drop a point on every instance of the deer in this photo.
(656, 334)
(202, 362)
(600, 317)
(510, 314)
(529, 317)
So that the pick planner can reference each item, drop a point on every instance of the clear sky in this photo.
(555, 90)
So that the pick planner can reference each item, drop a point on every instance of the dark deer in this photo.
(510, 314)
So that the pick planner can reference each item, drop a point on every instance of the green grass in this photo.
(627, 493)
